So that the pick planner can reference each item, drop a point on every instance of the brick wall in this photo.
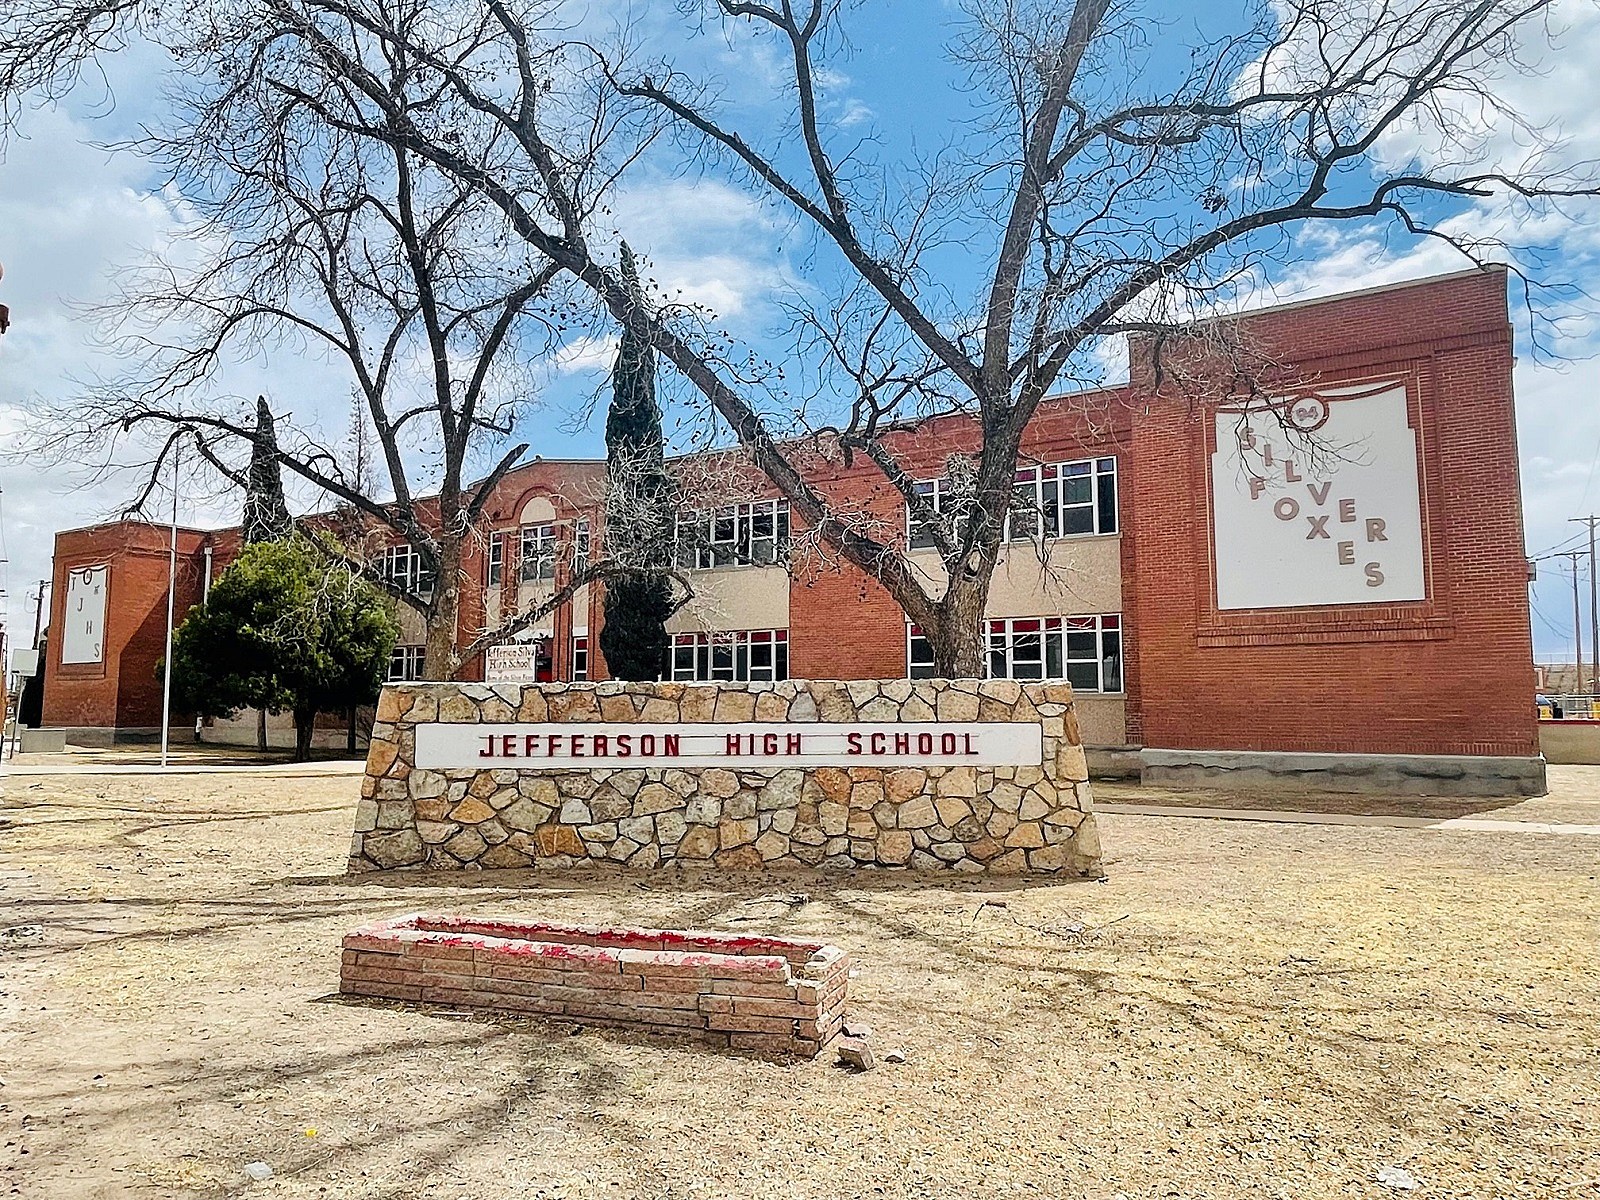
(122, 691)
(779, 997)
(1448, 675)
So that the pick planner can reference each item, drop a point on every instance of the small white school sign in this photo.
(743, 745)
(511, 662)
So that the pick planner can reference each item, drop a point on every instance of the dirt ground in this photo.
(1242, 1010)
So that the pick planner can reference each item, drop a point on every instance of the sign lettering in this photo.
(722, 744)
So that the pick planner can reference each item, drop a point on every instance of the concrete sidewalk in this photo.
(1447, 824)
(334, 767)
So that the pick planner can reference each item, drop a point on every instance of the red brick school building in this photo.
(1229, 600)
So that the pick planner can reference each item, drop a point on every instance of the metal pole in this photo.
(172, 587)
(1577, 624)
(38, 612)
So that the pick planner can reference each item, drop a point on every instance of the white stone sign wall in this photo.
(966, 775)
(1318, 502)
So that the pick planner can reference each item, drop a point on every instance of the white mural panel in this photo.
(83, 638)
(1318, 502)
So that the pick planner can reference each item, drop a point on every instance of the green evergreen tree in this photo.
(639, 599)
(266, 515)
(283, 629)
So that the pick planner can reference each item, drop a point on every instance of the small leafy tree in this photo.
(284, 629)
(638, 509)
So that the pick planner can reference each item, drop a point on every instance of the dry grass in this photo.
(1243, 1010)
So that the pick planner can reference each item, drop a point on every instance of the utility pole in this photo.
(38, 612)
(1573, 556)
(1594, 607)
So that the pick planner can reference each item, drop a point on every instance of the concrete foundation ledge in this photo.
(1113, 762)
(1403, 774)
(42, 741)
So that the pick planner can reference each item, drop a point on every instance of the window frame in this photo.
(497, 558)
(1048, 512)
(728, 656)
(401, 566)
(409, 659)
(580, 658)
(1053, 655)
(725, 537)
(545, 541)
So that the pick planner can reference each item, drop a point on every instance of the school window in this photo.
(1051, 500)
(580, 546)
(755, 534)
(497, 558)
(1063, 499)
(580, 659)
(405, 664)
(1085, 651)
(751, 655)
(538, 553)
(920, 532)
(402, 567)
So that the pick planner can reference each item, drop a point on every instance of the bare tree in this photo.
(355, 249)
(1095, 204)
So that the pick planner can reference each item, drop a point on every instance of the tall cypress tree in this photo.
(266, 515)
(638, 509)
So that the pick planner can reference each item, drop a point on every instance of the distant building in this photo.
(1228, 591)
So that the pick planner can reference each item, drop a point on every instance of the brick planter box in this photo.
(778, 996)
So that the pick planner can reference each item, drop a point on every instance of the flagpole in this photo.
(172, 586)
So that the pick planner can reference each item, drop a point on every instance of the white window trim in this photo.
(704, 645)
(1038, 475)
(544, 538)
(411, 659)
(1004, 627)
(743, 541)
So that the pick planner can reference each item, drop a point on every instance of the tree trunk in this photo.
(439, 661)
(958, 635)
(261, 729)
(305, 724)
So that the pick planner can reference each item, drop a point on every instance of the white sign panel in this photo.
(83, 638)
(1317, 502)
(512, 662)
(25, 662)
(723, 744)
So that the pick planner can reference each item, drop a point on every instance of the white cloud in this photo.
(706, 243)
(68, 214)
(586, 354)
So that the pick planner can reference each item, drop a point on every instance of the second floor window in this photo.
(497, 558)
(403, 568)
(1050, 500)
(1062, 499)
(580, 659)
(755, 534)
(538, 553)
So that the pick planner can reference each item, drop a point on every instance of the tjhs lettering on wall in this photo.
(1317, 501)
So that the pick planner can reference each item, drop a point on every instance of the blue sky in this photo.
(71, 215)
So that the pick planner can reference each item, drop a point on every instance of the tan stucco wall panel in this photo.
(735, 598)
